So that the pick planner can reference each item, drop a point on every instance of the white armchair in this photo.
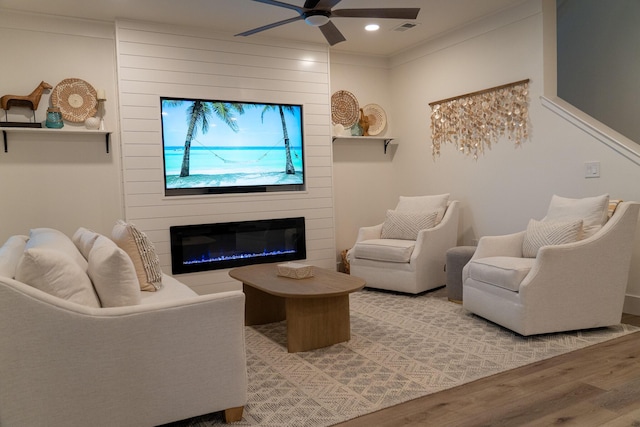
(409, 266)
(568, 286)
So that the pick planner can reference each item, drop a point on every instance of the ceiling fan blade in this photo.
(320, 4)
(273, 25)
(281, 4)
(331, 33)
(391, 13)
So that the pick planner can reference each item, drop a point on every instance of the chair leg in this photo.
(233, 414)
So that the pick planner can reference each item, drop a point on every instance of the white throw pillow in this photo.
(57, 241)
(145, 260)
(10, 254)
(437, 203)
(545, 233)
(406, 225)
(113, 274)
(593, 211)
(84, 239)
(57, 274)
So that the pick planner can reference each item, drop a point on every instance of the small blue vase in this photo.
(54, 118)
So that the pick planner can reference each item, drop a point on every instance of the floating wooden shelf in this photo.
(385, 139)
(6, 130)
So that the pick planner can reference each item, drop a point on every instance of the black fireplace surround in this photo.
(232, 244)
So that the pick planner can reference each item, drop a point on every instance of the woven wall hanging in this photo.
(475, 121)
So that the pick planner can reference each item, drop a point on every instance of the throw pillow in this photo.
(406, 225)
(592, 211)
(10, 254)
(57, 241)
(84, 240)
(436, 203)
(544, 233)
(613, 205)
(113, 274)
(145, 260)
(57, 274)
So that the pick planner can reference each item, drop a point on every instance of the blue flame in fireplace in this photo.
(209, 259)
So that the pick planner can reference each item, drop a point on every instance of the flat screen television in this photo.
(221, 146)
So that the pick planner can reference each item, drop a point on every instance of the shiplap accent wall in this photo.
(157, 60)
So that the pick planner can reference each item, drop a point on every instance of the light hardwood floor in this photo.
(595, 386)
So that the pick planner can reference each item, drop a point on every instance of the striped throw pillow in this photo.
(545, 233)
(613, 205)
(406, 225)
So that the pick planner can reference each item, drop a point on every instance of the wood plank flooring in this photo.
(595, 386)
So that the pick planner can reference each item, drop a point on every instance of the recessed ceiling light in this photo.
(372, 27)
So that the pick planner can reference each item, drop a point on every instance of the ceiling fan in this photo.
(318, 13)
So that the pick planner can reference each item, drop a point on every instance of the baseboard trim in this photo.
(631, 305)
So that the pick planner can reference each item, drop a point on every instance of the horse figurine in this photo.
(32, 100)
(364, 123)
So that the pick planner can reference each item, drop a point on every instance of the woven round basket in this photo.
(344, 108)
(76, 99)
(377, 118)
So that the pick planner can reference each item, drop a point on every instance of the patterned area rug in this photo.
(402, 347)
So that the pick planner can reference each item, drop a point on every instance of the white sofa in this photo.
(402, 264)
(171, 356)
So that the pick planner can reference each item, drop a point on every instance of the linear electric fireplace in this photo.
(233, 244)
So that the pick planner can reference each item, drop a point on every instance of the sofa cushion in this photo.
(390, 250)
(58, 241)
(504, 272)
(84, 239)
(593, 211)
(145, 260)
(406, 225)
(545, 233)
(113, 274)
(172, 290)
(437, 203)
(55, 273)
(10, 254)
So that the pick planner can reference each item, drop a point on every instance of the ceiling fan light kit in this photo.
(318, 13)
(316, 20)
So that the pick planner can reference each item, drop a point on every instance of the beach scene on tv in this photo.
(216, 144)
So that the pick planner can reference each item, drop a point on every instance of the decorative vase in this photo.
(54, 118)
(92, 123)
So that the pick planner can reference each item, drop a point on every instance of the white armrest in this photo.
(434, 242)
(370, 232)
(490, 246)
(505, 245)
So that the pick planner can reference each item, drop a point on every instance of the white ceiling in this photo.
(436, 17)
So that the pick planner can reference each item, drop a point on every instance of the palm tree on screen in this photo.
(199, 115)
(289, 169)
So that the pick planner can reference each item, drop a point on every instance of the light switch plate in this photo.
(592, 170)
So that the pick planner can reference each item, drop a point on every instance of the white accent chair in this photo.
(568, 286)
(408, 266)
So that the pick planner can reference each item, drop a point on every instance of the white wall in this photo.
(57, 180)
(363, 173)
(159, 60)
(507, 186)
